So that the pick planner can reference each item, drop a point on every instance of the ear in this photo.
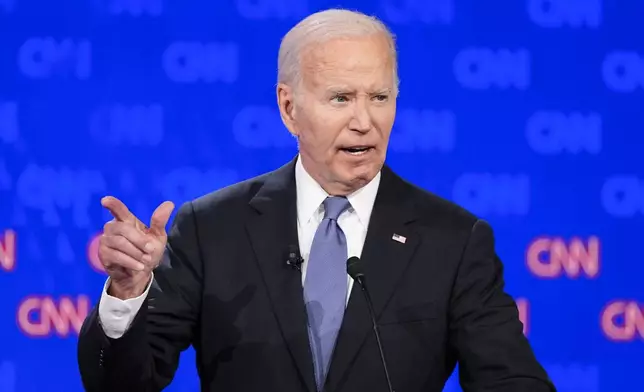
(286, 104)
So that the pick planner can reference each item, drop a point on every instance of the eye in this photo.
(381, 97)
(340, 98)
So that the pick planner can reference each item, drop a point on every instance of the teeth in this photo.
(356, 151)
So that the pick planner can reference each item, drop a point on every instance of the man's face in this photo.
(343, 110)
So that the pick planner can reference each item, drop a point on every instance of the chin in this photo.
(362, 175)
(355, 172)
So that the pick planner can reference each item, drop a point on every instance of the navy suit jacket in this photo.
(224, 288)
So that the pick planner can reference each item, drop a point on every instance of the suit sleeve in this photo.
(146, 357)
(485, 329)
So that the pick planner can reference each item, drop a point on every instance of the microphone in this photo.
(354, 269)
(294, 259)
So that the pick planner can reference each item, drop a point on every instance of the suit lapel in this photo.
(384, 261)
(272, 227)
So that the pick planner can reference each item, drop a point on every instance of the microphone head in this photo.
(293, 251)
(354, 267)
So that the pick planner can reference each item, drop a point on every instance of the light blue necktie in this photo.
(325, 286)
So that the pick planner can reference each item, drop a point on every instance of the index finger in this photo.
(118, 209)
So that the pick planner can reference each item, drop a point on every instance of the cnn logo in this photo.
(121, 125)
(623, 72)
(559, 13)
(192, 62)
(260, 127)
(551, 133)
(43, 58)
(623, 196)
(189, 182)
(623, 321)
(44, 316)
(424, 130)
(46, 190)
(484, 68)
(498, 194)
(8, 250)
(553, 257)
(92, 254)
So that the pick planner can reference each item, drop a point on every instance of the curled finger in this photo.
(131, 234)
(122, 244)
(112, 257)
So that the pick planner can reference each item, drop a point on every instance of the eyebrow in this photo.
(347, 90)
(385, 90)
(338, 89)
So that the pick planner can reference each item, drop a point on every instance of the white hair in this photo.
(323, 26)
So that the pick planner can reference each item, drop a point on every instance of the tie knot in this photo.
(334, 206)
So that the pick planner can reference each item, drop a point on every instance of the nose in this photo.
(361, 120)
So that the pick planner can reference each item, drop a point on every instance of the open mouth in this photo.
(357, 150)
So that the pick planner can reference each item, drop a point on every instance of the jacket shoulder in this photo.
(230, 197)
(438, 210)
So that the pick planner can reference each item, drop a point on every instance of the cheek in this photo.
(328, 127)
(320, 132)
(384, 121)
(383, 124)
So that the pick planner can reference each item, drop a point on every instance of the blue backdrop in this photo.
(529, 113)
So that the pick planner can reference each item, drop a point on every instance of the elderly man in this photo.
(254, 276)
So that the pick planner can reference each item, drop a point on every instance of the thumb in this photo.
(160, 218)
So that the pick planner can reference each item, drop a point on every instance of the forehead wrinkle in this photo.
(322, 56)
(321, 67)
(317, 61)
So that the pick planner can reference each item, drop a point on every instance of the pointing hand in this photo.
(129, 250)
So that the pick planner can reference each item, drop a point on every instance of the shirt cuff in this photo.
(116, 315)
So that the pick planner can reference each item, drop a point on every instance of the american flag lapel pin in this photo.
(399, 238)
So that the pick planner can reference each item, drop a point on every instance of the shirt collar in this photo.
(310, 196)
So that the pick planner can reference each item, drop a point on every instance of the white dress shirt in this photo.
(310, 212)
(116, 315)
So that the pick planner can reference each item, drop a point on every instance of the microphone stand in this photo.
(376, 331)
